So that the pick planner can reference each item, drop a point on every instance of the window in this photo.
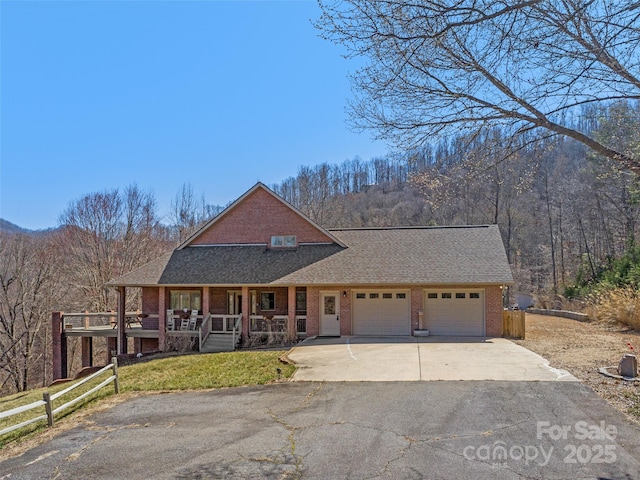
(330, 305)
(374, 295)
(301, 301)
(474, 295)
(401, 295)
(267, 301)
(432, 295)
(361, 295)
(461, 295)
(445, 295)
(181, 299)
(387, 295)
(283, 241)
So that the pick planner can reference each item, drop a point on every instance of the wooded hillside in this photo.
(564, 212)
(566, 216)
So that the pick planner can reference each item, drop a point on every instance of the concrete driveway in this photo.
(378, 359)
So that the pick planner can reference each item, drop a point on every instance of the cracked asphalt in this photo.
(436, 430)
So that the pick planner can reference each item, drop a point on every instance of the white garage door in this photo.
(454, 312)
(381, 312)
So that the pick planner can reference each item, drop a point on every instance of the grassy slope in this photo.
(187, 372)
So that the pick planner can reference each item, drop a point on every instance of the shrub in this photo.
(616, 305)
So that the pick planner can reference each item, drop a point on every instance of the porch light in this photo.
(344, 294)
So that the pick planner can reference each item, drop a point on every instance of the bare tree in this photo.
(30, 287)
(188, 212)
(442, 66)
(107, 234)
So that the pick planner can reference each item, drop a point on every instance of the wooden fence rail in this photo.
(47, 399)
(21, 409)
(513, 323)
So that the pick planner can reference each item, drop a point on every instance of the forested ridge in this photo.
(565, 213)
(568, 218)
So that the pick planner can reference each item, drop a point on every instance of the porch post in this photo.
(112, 348)
(59, 346)
(246, 311)
(291, 311)
(87, 351)
(122, 335)
(162, 318)
(205, 302)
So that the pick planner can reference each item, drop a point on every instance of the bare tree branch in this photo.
(444, 67)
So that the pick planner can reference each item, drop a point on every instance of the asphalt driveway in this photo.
(379, 359)
(306, 430)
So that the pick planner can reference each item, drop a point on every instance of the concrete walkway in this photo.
(379, 359)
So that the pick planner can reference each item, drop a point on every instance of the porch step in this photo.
(218, 342)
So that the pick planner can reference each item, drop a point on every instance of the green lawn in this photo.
(186, 372)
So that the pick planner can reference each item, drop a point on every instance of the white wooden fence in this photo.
(48, 399)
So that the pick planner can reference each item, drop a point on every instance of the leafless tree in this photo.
(107, 234)
(189, 212)
(439, 67)
(30, 287)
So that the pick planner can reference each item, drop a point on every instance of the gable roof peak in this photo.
(258, 186)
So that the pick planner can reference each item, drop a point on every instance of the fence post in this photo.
(116, 382)
(46, 396)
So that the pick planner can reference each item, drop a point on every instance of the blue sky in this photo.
(101, 94)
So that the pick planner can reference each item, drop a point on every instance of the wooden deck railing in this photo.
(88, 320)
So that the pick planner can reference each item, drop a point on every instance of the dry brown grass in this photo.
(620, 305)
(582, 348)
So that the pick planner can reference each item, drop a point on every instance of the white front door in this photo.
(330, 314)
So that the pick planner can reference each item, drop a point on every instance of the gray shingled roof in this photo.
(428, 255)
(226, 265)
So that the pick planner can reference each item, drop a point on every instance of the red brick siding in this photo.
(59, 346)
(345, 312)
(148, 345)
(150, 300)
(313, 311)
(256, 219)
(218, 301)
(493, 309)
(218, 304)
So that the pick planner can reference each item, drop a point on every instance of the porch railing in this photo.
(277, 324)
(301, 325)
(204, 331)
(237, 329)
(271, 324)
(223, 323)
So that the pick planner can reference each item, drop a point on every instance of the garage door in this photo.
(454, 312)
(381, 312)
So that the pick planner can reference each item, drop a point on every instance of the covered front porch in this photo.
(242, 310)
(201, 318)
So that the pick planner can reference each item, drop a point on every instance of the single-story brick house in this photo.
(263, 258)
